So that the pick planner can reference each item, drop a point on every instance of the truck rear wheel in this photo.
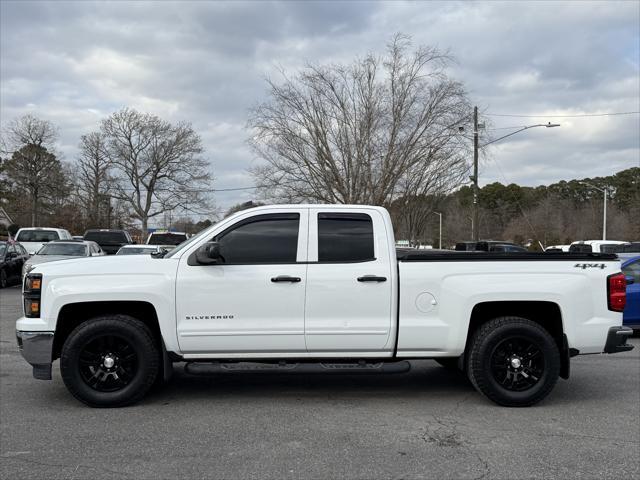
(513, 361)
(110, 361)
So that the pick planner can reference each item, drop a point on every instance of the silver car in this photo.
(62, 250)
(144, 249)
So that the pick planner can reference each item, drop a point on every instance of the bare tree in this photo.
(29, 130)
(32, 166)
(93, 175)
(369, 132)
(158, 166)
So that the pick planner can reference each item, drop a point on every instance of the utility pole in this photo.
(475, 223)
(604, 216)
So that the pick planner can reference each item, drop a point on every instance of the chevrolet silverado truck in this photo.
(318, 288)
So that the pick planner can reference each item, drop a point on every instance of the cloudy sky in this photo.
(76, 62)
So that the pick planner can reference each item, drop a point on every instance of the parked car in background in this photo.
(110, 240)
(62, 250)
(12, 257)
(144, 249)
(557, 248)
(33, 238)
(505, 247)
(631, 317)
(489, 246)
(628, 250)
(595, 246)
(164, 237)
(465, 246)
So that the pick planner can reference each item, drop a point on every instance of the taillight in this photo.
(616, 292)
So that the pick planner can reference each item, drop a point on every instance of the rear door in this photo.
(348, 306)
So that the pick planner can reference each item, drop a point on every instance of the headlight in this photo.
(32, 294)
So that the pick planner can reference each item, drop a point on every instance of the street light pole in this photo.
(440, 238)
(475, 224)
(604, 209)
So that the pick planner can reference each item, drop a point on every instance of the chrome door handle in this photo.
(372, 278)
(285, 278)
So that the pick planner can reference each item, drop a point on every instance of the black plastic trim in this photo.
(565, 356)
(617, 340)
(453, 256)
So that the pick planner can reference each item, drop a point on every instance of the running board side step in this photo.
(215, 368)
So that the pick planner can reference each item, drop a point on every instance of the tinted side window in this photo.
(345, 237)
(262, 239)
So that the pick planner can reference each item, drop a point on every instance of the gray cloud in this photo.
(76, 62)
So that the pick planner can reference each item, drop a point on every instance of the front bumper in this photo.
(37, 349)
(617, 340)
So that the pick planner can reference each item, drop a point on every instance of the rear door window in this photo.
(345, 237)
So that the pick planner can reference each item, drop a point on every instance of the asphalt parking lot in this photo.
(428, 423)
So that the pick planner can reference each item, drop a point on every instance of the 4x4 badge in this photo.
(584, 266)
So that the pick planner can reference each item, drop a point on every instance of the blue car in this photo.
(631, 318)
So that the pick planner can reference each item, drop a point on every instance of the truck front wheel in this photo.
(110, 361)
(513, 361)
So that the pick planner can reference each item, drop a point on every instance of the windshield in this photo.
(37, 236)
(106, 237)
(166, 238)
(185, 244)
(135, 251)
(67, 249)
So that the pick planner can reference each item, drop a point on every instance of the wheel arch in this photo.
(73, 314)
(545, 313)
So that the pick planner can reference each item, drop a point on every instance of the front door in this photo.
(349, 308)
(253, 302)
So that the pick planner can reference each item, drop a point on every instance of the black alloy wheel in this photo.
(110, 361)
(517, 363)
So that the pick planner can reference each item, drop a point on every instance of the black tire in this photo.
(133, 363)
(513, 361)
(450, 363)
(3, 279)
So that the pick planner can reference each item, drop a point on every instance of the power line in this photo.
(561, 116)
(190, 190)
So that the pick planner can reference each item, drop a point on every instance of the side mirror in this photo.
(630, 280)
(11, 255)
(209, 254)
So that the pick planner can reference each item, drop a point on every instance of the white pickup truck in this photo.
(318, 288)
